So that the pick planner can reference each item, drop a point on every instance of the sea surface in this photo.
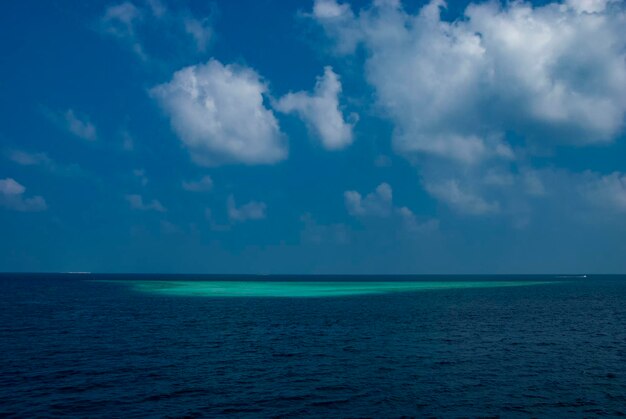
(86, 345)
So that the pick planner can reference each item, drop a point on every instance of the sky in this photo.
(325, 136)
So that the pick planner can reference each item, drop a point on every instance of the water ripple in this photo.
(95, 349)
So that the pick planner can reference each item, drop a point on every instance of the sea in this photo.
(187, 346)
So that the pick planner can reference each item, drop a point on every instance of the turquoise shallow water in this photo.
(306, 288)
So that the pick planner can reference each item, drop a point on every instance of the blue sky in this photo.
(313, 136)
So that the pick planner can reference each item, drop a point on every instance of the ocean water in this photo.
(204, 346)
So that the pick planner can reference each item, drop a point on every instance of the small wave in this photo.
(329, 403)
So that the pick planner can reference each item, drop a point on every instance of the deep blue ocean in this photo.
(72, 346)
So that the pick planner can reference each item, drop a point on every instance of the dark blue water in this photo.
(75, 347)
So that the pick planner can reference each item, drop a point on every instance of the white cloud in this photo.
(607, 191)
(314, 232)
(29, 159)
(379, 204)
(461, 199)
(12, 197)
(81, 128)
(120, 21)
(339, 22)
(9, 186)
(134, 23)
(330, 9)
(157, 8)
(566, 67)
(587, 197)
(551, 74)
(200, 30)
(410, 222)
(218, 113)
(202, 185)
(252, 210)
(41, 160)
(137, 202)
(589, 6)
(320, 111)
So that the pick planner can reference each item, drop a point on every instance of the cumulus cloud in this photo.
(157, 8)
(120, 21)
(12, 196)
(320, 111)
(330, 9)
(379, 204)
(461, 199)
(317, 233)
(200, 30)
(456, 90)
(553, 72)
(137, 23)
(217, 111)
(605, 191)
(80, 127)
(340, 23)
(411, 223)
(25, 158)
(202, 185)
(41, 160)
(517, 192)
(586, 197)
(589, 6)
(137, 202)
(252, 210)
(565, 63)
